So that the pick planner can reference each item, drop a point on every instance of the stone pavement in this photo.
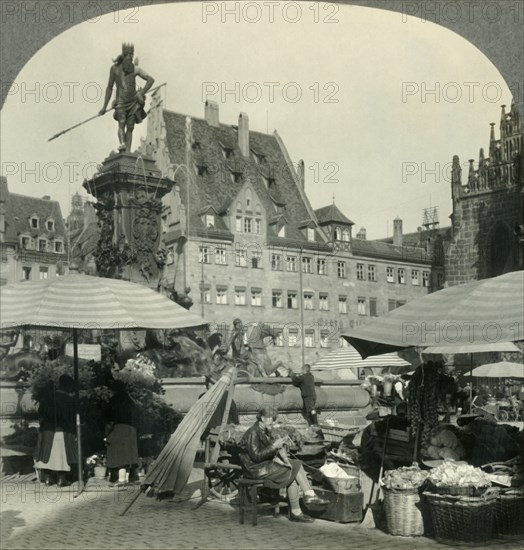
(35, 516)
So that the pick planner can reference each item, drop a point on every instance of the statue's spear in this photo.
(95, 116)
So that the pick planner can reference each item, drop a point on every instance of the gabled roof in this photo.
(216, 186)
(20, 208)
(331, 214)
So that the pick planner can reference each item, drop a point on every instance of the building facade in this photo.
(33, 240)
(241, 233)
(488, 208)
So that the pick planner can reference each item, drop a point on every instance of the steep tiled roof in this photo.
(330, 214)
(20, 208)
(220, 179)
(387, 251)
(419, 238)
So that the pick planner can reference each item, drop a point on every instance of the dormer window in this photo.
(248, 199)
(59, 247)
(196, 146)
(282, 231)
(310, 234)
(25, 243)
(50, 224)
(258, 158)
(228, 152)
(236, 177)
(42, 245)
(209, 220)
(34, 222)
(269, 182)
(200, 169)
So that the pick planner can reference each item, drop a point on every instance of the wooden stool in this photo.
(248, 499)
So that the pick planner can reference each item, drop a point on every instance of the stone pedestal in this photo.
(129, 190)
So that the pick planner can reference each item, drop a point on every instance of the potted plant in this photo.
(97, 466)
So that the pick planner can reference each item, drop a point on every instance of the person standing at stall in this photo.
(306, 383)
(56, 449)
(122, 441)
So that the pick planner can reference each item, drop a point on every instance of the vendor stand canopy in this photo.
(480, 312)
(77, 302)
(343, 364)
(502, 369)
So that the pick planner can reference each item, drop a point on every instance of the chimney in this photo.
(243, 134)
(301, 174)
(397, 231)
(362, 233)
(211, 113)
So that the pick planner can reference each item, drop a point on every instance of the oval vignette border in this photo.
(502, 41)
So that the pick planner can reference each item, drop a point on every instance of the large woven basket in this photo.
(462, 520)
(509, 514)
(458, 490)
(406, 512)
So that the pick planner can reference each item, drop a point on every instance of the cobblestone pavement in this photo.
(34, 516)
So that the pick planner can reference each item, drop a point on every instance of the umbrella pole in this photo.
(470, 380)
(77, 407)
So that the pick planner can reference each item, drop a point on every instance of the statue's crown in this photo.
(127, 47)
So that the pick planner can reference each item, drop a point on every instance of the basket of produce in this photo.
(406, 511)
(458, 479)
(462, 520)
(509, 514)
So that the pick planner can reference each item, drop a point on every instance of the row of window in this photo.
(34, 222)
(43, 273)
(41, 244)
(401, 277)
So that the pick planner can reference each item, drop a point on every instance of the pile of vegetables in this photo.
(444, 444)
(458, 474)
(407, 477)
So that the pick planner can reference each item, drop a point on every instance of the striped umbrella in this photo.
(485, 311)
(77, 302)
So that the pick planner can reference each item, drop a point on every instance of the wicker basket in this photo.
(509, 514)
(406, 512)
(335, 434)
(462, 519)
(459, 491)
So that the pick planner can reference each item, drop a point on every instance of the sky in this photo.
(375, 103)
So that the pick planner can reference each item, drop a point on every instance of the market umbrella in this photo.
(502, 369)
(77, 302)
(470, 349)
(172, 468)
(485, 311)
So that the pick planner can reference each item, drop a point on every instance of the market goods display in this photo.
(407, 477)
(444, 444)
(458, 478)
(426, 391)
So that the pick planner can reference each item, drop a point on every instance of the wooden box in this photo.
(342, 508)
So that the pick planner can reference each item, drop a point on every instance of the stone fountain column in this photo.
(129, 190)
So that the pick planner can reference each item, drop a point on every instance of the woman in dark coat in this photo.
(263, 458)
(56, 449)
(122, 441)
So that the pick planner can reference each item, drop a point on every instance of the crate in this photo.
(341, 507)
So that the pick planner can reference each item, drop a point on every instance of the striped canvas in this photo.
(82, 301)
(350, 358)
(485, 311)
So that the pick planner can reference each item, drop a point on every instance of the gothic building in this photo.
(487, 219)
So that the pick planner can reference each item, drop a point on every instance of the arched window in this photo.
(336, 234)
(345, 234)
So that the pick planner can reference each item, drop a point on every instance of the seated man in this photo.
(265, 458)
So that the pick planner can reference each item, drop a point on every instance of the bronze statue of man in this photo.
(129, 102)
